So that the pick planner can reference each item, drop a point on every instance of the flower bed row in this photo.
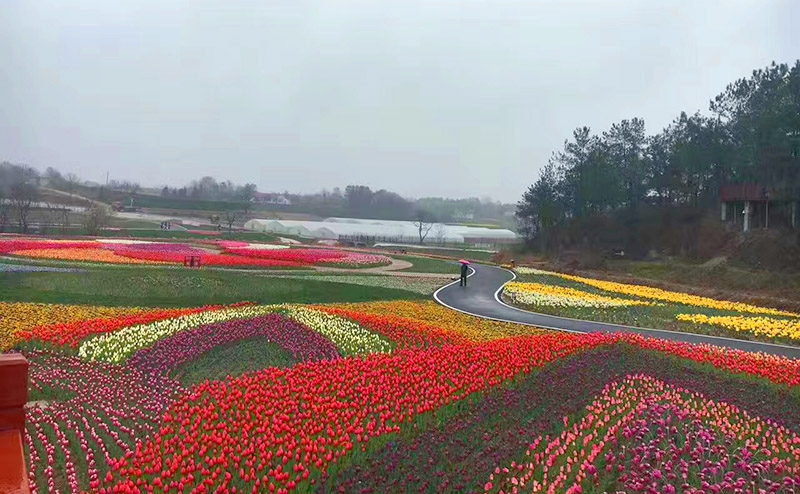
(456, 452)
(309, 416)
(81, 254)
(647, 436)
(8, 245)
(177, 256)
(85, 415)
(142, 252)
(349, 337)
(285, 427)
(18, 318)
(304, 344)
(432, 314)
(652, 293)
(314, 256)
(758, 326)
(315, 414)
(539, 294)
(71, 334)
(401, 331)
(120, 345)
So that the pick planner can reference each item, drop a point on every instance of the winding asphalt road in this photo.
(481, 297)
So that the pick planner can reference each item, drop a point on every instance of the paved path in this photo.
(481, 297)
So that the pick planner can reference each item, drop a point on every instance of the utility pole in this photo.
(106, 179)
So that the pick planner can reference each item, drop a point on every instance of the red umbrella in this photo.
(463, 261)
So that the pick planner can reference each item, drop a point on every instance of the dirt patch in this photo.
(771, 250)
(38, 404)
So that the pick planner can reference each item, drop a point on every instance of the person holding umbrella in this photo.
(464, 271)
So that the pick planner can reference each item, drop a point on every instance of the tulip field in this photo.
(391, 396)
(638, 305)
(154, 378)
(223, 253)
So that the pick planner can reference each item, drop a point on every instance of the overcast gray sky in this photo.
(430, 97)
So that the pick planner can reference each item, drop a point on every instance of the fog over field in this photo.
(425, 98)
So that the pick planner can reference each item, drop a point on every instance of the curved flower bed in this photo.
(313, 414)
(457, 453)
(71, 334)
(177, 256)
(758, 326)
(674, 436)
(457, 397)
(8, 245)
(304, 344)
(434, 315)
(85, 415)
(349, 337)
(224, 243)
(17, 319)
(559, 296)
(662, 295)
(403, 332)
(779, 370)
(120, 345)
(124, 251)
(82, 254)
(314, 256)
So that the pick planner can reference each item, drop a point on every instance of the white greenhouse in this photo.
(381, 230)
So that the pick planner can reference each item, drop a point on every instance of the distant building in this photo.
(754, 206)
(270, 198)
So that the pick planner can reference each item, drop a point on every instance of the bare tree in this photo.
(230, 217)
(22, 197)
(96, 218)
(58, 217)
(439, 232)
(424, 225)
(5, 212)
(72, 181)
(214, 219)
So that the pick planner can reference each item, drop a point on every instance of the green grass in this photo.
(422, 285)
(233, 359)
(429, 265)
(115, 222)
(726, 277)
(158, 287)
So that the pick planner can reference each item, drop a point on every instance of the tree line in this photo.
(752, 135)
(23, 207)
(237, 201)
(360, 201)
(209, 189)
